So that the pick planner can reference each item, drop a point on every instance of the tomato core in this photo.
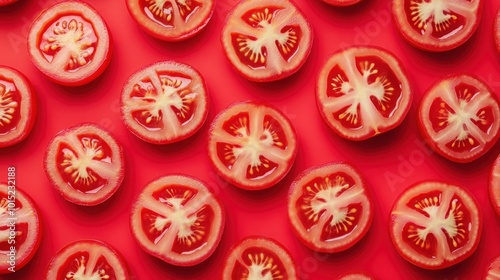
(10, 105)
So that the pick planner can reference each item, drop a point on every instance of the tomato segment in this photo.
(492, 272)
(10, 102)
(494, 185)
(496, 31)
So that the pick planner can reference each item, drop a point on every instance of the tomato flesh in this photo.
(10, 104)
(492, 272)
(162, 12)
(259, 263)
(494, 185)
(75, 267)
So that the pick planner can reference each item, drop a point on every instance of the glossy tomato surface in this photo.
(266, 40)
(17, 106)
(87, 259)
(171, 20)
(460, 117)
(435, 225)
(356, 276)
(178, 220)
(85, 164)
(20, 227)
(7, 2)
(362, 92)
(330, 207)
(492, 271)
(437, 25)
(494, 188)
(70, 43)
(165, 102)
(496, 30)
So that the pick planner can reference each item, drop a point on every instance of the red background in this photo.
(398, 153)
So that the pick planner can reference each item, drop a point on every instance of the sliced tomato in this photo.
(341, 3)
(460, 118)
(266, 40)
(496, 30)
(329, 207)
(258, 257)
(85, 164)
(20, 228)
(435, 225)
(495, 185)
(493, 270)
(177, 219)
(165, 102)
(87, 259)
(70, 43)
(17, 107)
(170, 20)
(252, 145)
(437, 25)
(362, 92)
(356, 276)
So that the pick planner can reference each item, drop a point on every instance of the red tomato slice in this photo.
(171, 20)
(329, 207)
(493, 270)
(435, 225)
(15, 203)
(165, 102)
(177, 219)
(496, 30)
(258, 257)
(17, 107)
(495, 185)
(85, 164)
(87, 259)
(437, 25)
(252, 145)
(356, 276)
(341, 3)
(266, 40)
(362, 92)
(70, 43)
(460, 118)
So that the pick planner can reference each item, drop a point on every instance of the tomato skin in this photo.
(342, 3)
(101, 58)
(492, 272)
(496, 31)
(356, 276)
(28, 110)
(494, 185)
(7, 2)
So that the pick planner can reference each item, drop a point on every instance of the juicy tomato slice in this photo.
(17, 107)
(252, 145)
(87, 259)
(85, 164)
(460, 116)
(341, 3)
(494, 189)
(70, 43)
(435, 225)
(329, 207)
(266, 40)
(15, 203)
(496, 30)
(165, 102)
(258, 257)
(437, 25)
(362, 92)
(356, 276)
(493, 270)
(178, 220)
(170, 20)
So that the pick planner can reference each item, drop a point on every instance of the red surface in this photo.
(389, 163)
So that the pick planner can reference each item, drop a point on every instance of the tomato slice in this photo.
(177, 219)
(460, 117)
(341, 3)
(493, 270)
(356, 276)
(329, 207)
(435, 225)
(362, 92)
(170, 20)
(437, 25)
(494, 189)
(165, 102)
(87, 259)
(17, 107)
(258, 257)
(266, 40)
(70, 43)
(85, 164)
(18, 205)
(496, 30)
(252, 145)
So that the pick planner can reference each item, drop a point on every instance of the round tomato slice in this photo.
(17, 107)
(258, 257)
(435, 225)
(170, 20)
(460, 117)
(85, 164)
(493, 270)
(20, 227)
(87, 259)
(495, 185)
(437, 25)
(177, 219)
(165, 102)
(70, 43)
(266, 40)
(252, 145)
(341, 3)
(329, 207)
(362, 92)
(496, 30)
(356, 276)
